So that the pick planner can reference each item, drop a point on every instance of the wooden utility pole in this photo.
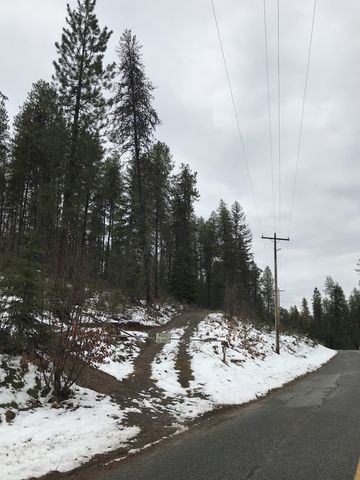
(276, 290)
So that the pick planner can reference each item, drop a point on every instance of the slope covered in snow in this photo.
(41, 438)
(252, 367)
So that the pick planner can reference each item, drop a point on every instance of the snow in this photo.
(44, 439)
(11, 378)
(163, 367)
(252, 367)
(183, 404)
(100, 309)
(160, 315)
(120, 362)
(117, 369)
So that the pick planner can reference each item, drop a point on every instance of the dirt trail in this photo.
(183, 363)
(140, 380)
(155, 419)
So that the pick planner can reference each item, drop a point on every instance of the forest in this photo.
(91, 201)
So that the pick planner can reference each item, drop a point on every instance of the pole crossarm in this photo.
(276, 289)
(275, 238)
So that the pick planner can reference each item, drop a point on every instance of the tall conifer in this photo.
(134, 121)
(4, 149)
(80, 76)
(183, 274)
(267, 284)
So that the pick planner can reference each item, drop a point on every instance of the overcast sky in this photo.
(182, 58)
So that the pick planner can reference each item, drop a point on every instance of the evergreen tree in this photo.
(354, 312)
(207, 257)
(106, 224)
(35, 170)
(236, 277)
(255, 293)
(80, 76)
(21, 287)
(242, 257)
(158, 184)
(336, 314)
(183, 275)
(226, 280)
(294, 318)
(113, 211)
(267, 283)
(90, 154)
(134, 122)
(305, 317)
(284, 318)
(4, 150)
(317, 323)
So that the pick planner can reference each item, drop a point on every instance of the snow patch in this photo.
(120, 361)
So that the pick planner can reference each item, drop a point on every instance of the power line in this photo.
(236, 115)
(279, 111)
(302, 117)
(269, 114)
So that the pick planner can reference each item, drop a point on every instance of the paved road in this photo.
(307, 431)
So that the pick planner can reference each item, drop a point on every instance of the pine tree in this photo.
(305, 317)
(107, 223)
(317, 324)
(90, 154)
(336, 315)
(354, 312)
(267, 283)
(35, 170)
(242, 256)
(255, 292)
(4, 150)
(80, 76)
(285, 318)
(134, 122)
(227, 288)
(21, 285)
(183, 271)
(207, 257)
(294, 317)
(158, 185)
(80, 73)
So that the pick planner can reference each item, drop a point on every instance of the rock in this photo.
(9, 416)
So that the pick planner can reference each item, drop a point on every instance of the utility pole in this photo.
(276, 291)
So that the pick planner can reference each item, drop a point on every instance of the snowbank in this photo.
(252, 367)
(43, 439)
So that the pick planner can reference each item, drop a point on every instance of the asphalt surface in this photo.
(309, 430)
